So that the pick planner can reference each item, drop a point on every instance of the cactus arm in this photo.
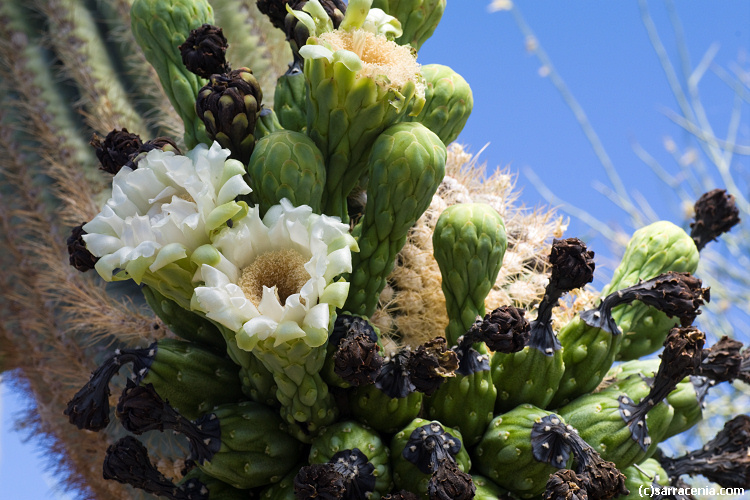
(76, 40)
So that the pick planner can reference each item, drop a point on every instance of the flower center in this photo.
(283, 269)
(380, 56)
(186, 197)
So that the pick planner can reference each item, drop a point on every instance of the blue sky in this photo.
(602, 51)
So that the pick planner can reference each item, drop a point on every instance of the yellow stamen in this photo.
(283, 269)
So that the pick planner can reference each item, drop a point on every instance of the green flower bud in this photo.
(448, 102)
(287, 164)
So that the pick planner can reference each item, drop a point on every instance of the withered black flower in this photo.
(429, 445)
(204, 51)
(550, 441)
(394, 378)
(715, 214)
(79, 255)
(357, 472)
(572, 267)
(162, 143)
(565, 484)
(599, 478)
(676, 294)
(89, 408)
(449, 482)
(505, 330)
(141, 409)
(357, 359)
(572, 264)
(682, 355)
(319, 482)
(276, 10)
(722, 361)
(723, 460)
(114, 151)
(430, 364)
(127, 462)
(400, 495)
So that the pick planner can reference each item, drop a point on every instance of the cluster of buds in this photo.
(267, 247)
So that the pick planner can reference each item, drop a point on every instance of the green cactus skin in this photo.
(599, 422)
(267, 123)
(487, 490)
(466, 402)
(348, 435)
(287, 164)
(587, 353)
(345, 114)
(406, 475)
(418, 18)
(188, 325)
(160, 27)
(528, 376)
(258, 383)
(469, 244)
(305, 401)
(644, 475)
(192, 379)
(255, 450)
(505, 453)
(290, 100)
(448, 102)
(373, 407)
(652, 250)
(406, 165)
(284, 489)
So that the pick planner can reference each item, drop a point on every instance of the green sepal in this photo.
(527, 376)
(598, 419)
(289, 101)
(588, 353)
(645, 475)
(255, 449)
(487, 490)
(188, 325)
(418, 18)
(191, 378)
(373, 407)
(448, 404)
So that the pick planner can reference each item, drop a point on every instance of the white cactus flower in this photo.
(164, 209)
(274, 278)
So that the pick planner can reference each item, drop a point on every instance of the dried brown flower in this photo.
(715, 214)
